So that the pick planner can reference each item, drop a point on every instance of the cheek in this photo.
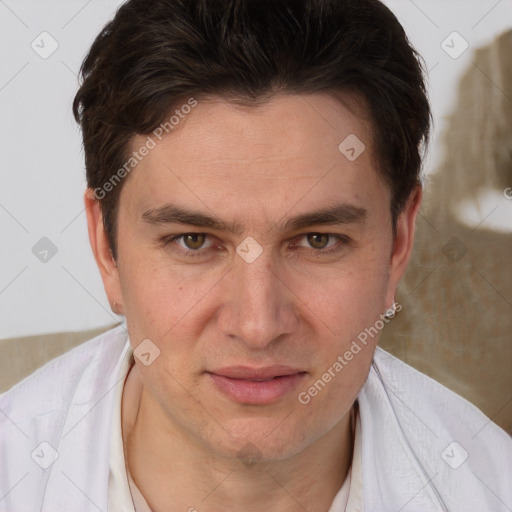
(173, 311)
(346, 336)
(349, 297)
(349, 308)
(158, 295)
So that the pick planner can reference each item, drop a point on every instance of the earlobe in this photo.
(102, 252)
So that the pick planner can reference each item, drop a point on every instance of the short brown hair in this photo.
(155, 54)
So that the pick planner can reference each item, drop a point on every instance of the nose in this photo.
(258, 305)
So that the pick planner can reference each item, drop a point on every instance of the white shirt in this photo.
(124, 495)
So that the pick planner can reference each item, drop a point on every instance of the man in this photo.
(253, 184)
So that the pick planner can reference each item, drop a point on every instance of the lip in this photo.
(256, 386)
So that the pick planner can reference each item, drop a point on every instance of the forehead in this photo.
(293, 145)
(281, 127)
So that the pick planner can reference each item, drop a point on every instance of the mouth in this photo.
(253, 386)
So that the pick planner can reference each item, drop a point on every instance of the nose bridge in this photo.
(257, 281)
(258, 310)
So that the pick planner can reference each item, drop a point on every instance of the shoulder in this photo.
(56, 416)
(48, 387)
(444, 409)
(446, 434)
(424, 393)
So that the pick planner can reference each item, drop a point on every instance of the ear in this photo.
(403, 242)
(102, 252)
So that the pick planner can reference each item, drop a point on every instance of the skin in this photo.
(295, 304)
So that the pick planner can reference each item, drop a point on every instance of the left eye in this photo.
(318, 240)
(191, 241)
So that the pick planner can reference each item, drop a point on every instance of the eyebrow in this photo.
(338, 214)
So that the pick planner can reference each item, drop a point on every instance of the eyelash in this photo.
(343, 240)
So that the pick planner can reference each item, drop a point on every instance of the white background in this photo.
(42, 175)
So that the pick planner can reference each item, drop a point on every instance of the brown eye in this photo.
(194, 240)
(318, 240)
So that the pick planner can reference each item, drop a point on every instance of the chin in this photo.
(264, 439)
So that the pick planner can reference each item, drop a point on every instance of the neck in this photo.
(169, 466)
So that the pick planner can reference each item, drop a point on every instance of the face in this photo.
(253, 253)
